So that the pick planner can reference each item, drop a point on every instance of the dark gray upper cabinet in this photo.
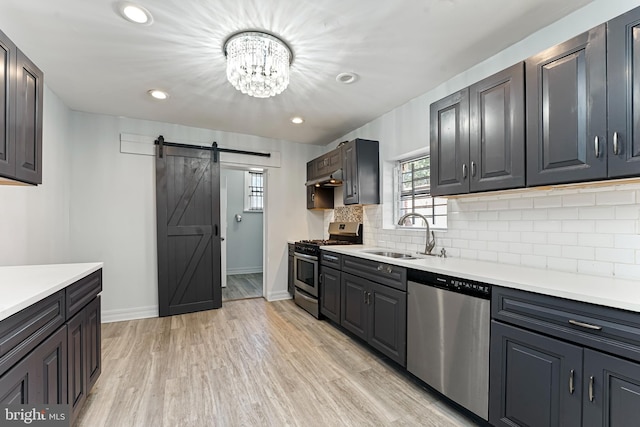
(566, 111)
(21, 99)
(29, 104)
(497, 131)
(8, 54)
(449, 144)
(319, 197)
(623, 84)
(361, 172)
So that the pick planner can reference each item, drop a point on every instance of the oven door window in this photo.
(306, 272)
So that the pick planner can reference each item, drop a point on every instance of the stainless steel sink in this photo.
(398, 255)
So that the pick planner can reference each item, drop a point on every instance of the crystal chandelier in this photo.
(257, 63)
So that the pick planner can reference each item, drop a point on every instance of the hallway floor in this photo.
(241, 286)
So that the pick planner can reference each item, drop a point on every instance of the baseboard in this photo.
(243, 270)
(278, 295)
(120, 315)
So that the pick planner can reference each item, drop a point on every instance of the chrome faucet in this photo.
(428, 245)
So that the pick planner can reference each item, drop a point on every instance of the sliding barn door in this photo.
(188, 215)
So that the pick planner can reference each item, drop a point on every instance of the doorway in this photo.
(242, 194)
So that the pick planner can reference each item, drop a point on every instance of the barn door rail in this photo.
(214, 147)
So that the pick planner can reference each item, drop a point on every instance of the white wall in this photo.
(35, 219)
(113, 216)
(592, 230)
(244, 238)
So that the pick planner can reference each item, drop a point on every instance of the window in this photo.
(254, 191)
(412, 194)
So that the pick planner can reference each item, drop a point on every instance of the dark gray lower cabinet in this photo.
(611, 390)
(84, 349)
(330, 293)
(41, 377)
(377, 314)
(535, 380)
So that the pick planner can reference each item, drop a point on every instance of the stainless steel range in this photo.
(306, 262)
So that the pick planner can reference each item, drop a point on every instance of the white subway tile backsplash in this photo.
(547, 226)
(616, 227)
(579, 199)
(563, 213)
(578, 226)
(509, 258)
(536, 261)
(627, 241)
(592, 230)
(562, 264)
(536, 214)
(624, 256)
(488, 256)
(628, 212)
(579, 252)
(597, 240)
(622, 197)
(562, 238)
(627, 271)
(597, 213)
(595, 267)
(547, 202)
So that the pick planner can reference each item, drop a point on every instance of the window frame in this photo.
(437, 217)
(249, 193)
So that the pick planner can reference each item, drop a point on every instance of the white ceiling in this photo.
(95, 61)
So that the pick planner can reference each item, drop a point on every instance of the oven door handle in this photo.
(305, 256)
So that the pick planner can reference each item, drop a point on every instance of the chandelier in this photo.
(257, 63)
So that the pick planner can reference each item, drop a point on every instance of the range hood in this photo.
(334, 179)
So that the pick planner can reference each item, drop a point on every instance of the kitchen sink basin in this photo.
(398, 255)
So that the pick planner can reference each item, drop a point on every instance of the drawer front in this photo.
(82, 292)
(603, 328)
(386, 274)
(22, 332)
(331, 260)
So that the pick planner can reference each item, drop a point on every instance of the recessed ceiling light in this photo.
(158, 94)
(297, 120)
(135, 13)
(346, 78)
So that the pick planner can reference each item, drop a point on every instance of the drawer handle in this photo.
(585, 325)
(591, 394)
(389, 269)
(330, 258)
(571, 387)
(380, 267)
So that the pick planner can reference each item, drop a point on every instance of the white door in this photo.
(223, 230)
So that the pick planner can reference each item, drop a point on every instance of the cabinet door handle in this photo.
(380, 267)
(615, 143)
(473, 168)
(591, 394)
(320, 279)
(464, 171)
(596, 143)
(571, 387)
(364, 294)
(585, 325)
(313, 197)
(369, 298)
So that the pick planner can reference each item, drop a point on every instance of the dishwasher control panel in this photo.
(454, 284)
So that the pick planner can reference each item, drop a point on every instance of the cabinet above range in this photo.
(354, 166)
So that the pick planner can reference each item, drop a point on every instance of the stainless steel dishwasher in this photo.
(448, 337)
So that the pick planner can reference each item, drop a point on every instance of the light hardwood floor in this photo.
(251, 363)
(240, 286)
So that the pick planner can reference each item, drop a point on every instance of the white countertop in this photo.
(22, 286)
(607, 291)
